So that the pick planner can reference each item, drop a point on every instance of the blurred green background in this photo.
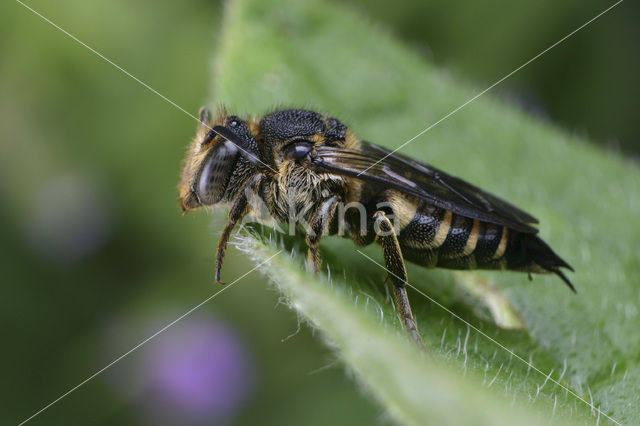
(96, 256)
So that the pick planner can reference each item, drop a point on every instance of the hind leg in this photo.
(394, 263)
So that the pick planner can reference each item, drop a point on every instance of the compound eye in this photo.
(297, 150)
(214, 175)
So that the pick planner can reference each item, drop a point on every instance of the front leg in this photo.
(394, 262)
(238, 210)
(318, 227)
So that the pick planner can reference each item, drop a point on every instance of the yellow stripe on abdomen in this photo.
(443, 230)
(502, 246)
(472, 241)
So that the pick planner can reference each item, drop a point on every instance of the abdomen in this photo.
(437, 237)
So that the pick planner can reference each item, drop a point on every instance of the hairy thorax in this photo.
(296, 192)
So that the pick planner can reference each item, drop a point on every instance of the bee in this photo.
(310, 169)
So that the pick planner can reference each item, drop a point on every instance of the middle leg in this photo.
(318, 227)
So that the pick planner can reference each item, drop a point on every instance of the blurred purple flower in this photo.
(204, 371)
(197, 372)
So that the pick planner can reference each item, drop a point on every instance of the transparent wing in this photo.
(422, 181)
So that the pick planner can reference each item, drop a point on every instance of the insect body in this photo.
(302, 167)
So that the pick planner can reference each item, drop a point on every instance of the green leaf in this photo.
(325, 57)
